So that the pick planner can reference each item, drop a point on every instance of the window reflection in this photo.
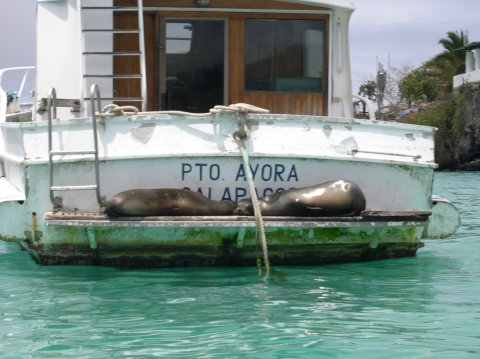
(178, 37)
(284, 55)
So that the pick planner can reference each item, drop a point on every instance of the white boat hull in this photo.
(200, 154)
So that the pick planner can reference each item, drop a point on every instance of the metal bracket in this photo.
(91, 237)
(377, 239)
(355, 151)
(60, 102)
(241, 237)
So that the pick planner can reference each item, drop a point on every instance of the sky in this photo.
(394, 32)
(405, 32)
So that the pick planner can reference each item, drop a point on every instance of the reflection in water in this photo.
(425, 306)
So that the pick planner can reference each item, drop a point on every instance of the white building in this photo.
(472, 66)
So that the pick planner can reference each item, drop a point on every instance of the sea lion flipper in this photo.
(315, 209)
(171, 211)
(110, 212)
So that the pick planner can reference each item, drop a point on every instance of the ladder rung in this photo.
(113, 8)
(63, 153)
(132, 76)
(74, 188)
(125, 99)
(115, 31)
(114, 53)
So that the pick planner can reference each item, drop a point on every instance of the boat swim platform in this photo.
(207, 241)
(366, 219)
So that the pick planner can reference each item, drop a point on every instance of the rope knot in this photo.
(238, 108)
(115, 110)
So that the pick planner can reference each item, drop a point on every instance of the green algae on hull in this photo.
(200, 246)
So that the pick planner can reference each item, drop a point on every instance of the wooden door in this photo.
(279, 64)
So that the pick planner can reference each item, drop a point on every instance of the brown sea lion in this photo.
(166, 202)
(334, 198)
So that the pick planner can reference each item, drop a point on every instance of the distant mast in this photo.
(381, 83)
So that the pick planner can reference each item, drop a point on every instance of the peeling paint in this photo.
(410, 136)
(252, 125)
(348, 144)
(144, 132)
(327, 130)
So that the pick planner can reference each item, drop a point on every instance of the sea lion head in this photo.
(244, 208)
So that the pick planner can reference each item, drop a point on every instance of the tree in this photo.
(419, 85)
(368, 90)
(452, 60)
(395, 74)
(434, 78)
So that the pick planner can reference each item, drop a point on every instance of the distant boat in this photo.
(407, 111)
(82, 140)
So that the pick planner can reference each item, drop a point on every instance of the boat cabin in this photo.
(289, 57)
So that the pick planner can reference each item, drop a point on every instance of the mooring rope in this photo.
(256, 205)
(238, 107)
(239, 137)
(115, 110)
(112, 110)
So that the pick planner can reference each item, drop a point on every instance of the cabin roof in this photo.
(471, 46)
(345, 4)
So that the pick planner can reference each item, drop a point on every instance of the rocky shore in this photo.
(467, 151)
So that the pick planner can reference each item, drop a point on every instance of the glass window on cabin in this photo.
(284, 55)
(194, 64)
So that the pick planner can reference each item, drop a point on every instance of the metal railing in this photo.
(368, 103)
(52, 114)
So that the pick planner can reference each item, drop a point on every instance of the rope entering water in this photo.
(256, 205)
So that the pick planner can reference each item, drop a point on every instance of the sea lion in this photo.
(334, 198)
(166, 202)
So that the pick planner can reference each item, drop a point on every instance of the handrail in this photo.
(51, 107)
(95, 97)
(3, 95)
(141, 45)
(371, 111)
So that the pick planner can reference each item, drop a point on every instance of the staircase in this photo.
(107, 29)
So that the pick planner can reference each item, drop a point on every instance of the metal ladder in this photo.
(84, 11)
(52, 114)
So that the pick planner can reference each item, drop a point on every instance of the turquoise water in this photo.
(427, 306)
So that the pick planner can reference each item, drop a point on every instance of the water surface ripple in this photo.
(427, 306)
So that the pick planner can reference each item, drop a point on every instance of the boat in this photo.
(227, 98)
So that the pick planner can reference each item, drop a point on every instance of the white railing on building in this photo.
(472, 66)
